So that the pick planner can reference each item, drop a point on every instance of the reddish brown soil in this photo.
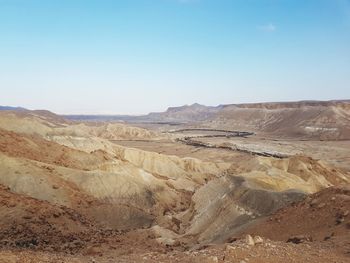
(321, 218)
(28, 223)
(37, 231)
(268, 252)
(38, 149)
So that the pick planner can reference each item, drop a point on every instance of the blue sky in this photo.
(137, 56)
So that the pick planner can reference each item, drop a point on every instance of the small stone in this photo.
(249, 240)
(258, 240)
(321, 205)
(327, 238)
(314, 202)
(340, 220)
(299, 239)
(165, 241)
(93, 251)
(212, 259)
(229, 248)
(55, 215)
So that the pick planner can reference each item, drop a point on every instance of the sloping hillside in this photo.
(321, 217)
(71, 187)
(319, 120)
(46, 124)
(325, 120)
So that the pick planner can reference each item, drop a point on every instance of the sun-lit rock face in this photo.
(305, 119)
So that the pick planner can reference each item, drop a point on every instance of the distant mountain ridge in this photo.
(326, 120)
(11, 108)
(197, 112)
(291, 104)
(194, 112)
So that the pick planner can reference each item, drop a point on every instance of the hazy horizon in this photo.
(141, 56)
(165, 109)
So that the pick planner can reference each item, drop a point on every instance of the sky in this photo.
(140, 56)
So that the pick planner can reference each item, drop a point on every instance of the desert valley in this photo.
(245, 183)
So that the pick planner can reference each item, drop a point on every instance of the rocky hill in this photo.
(303, 120)
(320, 120)
(70, 187)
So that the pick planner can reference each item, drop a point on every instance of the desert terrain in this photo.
(266, 182)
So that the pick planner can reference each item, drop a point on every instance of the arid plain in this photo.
(265, 182)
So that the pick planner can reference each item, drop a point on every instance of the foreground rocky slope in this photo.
(60, 229)
(320, 218)
(30, 223)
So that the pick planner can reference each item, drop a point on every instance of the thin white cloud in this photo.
(267, 27)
